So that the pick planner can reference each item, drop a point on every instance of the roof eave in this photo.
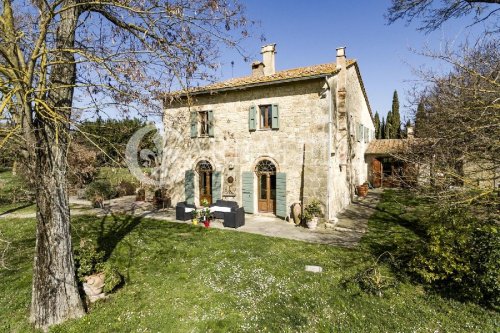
(258, 84)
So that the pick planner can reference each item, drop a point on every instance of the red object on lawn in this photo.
(206, 223)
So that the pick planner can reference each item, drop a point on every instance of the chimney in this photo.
(410, 133)
(257, 68)
(342, 66)
(268, 52)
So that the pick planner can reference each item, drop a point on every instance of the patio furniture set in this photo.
(232, 215)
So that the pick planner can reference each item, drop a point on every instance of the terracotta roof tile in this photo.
(386, 146)
(290, 74)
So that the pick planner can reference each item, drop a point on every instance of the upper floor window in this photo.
(202, 124)
(203, 121)
(263, 117)
(266, 116)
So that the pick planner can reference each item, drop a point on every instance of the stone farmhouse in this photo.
(270, 139)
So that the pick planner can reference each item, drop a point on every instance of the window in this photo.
(266, 116)
(263, 117)
(202, 124)
(203, 121)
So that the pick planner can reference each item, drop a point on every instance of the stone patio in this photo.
(347, 232)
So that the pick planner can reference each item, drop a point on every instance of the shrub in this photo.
(99, 189)
(125, 188)
(372, 280)
(89, 260)
(81, 162)
(461, 255)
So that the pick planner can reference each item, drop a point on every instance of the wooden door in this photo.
(267, 192)
(376, 173)
(206, 186)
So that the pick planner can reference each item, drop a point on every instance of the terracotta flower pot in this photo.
(362, 190)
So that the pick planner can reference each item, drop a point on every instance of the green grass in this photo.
(12, 194)
(182, 278)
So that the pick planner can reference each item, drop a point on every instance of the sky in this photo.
(308, 33)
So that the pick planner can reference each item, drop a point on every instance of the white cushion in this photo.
(220, 209)
(187, 209)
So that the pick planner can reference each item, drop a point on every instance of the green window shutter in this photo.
(367, 138)
(189, 186)
(276, 117)
(211, 123)
(216, 186)
(247, 189)
(357, 132)
(252, 119)
(194, 124)
(281, 207)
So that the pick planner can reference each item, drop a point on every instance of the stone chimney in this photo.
(410, 132)
(342, 65)
(257, 68)
(268, 54)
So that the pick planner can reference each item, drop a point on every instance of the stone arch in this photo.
(201, 159)
(269, 158)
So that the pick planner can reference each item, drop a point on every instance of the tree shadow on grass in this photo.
(113, 229)
(12, 210)
(394, 230)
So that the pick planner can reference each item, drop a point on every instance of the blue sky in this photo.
(308, 32)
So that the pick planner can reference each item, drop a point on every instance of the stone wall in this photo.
(303, 117)
(359, 113)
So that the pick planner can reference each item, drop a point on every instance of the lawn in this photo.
(13, 194)
(182, 278)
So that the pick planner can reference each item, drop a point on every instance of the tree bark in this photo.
(55, 295)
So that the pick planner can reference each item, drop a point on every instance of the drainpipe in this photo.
(330, 139)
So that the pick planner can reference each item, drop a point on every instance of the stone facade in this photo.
(320, 159)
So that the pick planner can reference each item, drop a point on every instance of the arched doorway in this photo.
(266, 175)
(205, 171)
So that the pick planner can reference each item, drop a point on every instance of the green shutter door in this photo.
(281, 207)
(194, 124)
(216, 186)
(189, 186)
(252, 119)
(247, 189)
(211, 123)
(275, 117)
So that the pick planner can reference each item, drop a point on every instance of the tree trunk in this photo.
(55, 295)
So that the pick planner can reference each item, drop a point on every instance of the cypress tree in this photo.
(381, 132)
(419, 119)
(388, 131)
(377, 125)
(396, 117)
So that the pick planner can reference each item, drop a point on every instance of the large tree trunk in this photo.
(55, 295)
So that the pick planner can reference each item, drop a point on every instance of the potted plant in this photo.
(207, 216)
(195, 215)
(205, 213)
(312, 213)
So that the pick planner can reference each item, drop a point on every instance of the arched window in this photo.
(265, 166)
